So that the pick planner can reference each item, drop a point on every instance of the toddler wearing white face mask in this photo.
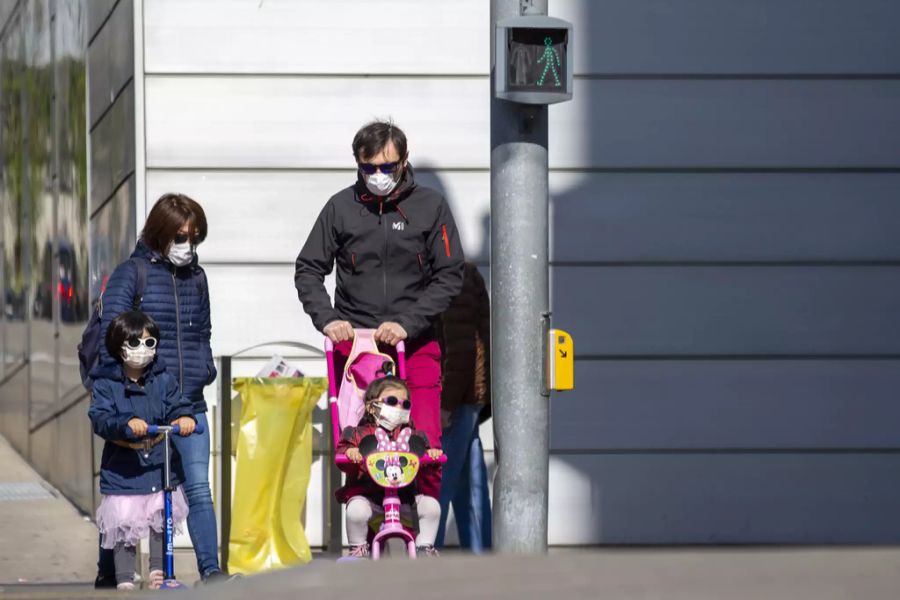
(387, 408)
(127, 397)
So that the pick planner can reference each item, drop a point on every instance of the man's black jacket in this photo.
(398, 258)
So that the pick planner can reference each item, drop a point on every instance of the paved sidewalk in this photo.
(715, 573)
(44, 538)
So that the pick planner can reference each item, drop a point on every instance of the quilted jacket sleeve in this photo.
(176, 404)
(118, 297)
(206, 328)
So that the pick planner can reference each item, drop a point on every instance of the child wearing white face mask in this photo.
(126, 398)
(387, 407)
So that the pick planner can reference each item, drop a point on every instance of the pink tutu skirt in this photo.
(129, 519)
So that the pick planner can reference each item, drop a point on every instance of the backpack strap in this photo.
(140, 282)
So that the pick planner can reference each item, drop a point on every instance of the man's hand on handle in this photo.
(390, 333)
(339, 331)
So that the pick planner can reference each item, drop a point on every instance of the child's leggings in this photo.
(124, 556)
(360, 510)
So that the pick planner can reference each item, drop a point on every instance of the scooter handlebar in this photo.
(155, 429)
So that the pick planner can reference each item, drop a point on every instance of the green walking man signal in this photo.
(533, 60)
(551, 59)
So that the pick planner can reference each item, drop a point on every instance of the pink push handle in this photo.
(333, 389)
(329, 353)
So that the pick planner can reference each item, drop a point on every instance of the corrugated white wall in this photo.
(250, 108)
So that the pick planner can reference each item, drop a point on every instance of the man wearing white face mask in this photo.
(399, 264)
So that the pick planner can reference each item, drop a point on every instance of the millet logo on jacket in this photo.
(398, 226)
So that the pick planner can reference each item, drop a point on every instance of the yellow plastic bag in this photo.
(274, 457)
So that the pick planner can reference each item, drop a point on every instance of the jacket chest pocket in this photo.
(420, 260)
(348, 259)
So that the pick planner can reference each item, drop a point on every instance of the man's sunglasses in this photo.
(394, 401)
(181, 238)
(136, 342)
(386, 168)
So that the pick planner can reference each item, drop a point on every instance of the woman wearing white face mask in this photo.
(176, 295)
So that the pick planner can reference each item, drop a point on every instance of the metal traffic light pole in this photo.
(520, 304)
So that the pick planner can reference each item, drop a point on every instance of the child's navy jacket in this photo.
(115, 400)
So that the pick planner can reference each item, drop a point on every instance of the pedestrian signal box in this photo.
(561, 363)
(533, 60)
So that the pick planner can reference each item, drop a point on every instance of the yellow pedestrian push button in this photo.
(562, 361)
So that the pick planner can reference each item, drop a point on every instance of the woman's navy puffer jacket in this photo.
(177, 298)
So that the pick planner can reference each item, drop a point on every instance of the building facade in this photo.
(723, 228)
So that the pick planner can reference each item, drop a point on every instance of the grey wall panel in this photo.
(6, 10)
(122, 142)
(72, 206)
(100, 93)
(715, 404)
(308, 36)
(671, 217)
(101, 158)
(121, 44)
(727, 124)
(817, 498)
(111, 59)
(733, 36)
(113, 235)
(43, 370)
(73, 471)
(722, 310)
(44, 452)
(41, 204)
(98, 11)
(16, 239)
(70, 386)
(112, 148)
(14, 408)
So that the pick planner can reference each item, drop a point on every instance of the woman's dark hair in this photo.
(373, 137)
(167, 216)
(128, 325)
(375, 390)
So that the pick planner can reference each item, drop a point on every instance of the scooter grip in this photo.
(154, 429)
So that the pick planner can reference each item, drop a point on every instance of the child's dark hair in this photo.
(378, 386)
(128, 325)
